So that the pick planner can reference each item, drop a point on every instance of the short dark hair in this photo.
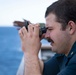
(65, 11)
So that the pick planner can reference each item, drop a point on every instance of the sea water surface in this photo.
(10, 50)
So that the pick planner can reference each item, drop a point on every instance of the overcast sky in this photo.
(33, 10)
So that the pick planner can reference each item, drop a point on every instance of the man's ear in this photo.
(72, 27)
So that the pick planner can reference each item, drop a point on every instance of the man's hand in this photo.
(31, 45)
(30, 39)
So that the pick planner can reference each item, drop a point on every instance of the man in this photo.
(61, 33)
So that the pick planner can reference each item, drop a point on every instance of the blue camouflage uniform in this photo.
(61, 65)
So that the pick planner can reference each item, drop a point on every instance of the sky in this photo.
(32, 10)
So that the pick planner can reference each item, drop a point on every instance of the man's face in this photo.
(58, 38)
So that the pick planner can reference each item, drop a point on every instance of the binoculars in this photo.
(20, 24)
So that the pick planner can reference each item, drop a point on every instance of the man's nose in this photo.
(47, 34)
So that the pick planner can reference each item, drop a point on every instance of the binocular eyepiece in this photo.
(20, 24)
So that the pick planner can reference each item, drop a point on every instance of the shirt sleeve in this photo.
(51, 67)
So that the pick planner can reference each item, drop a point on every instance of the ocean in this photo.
(10, 50)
